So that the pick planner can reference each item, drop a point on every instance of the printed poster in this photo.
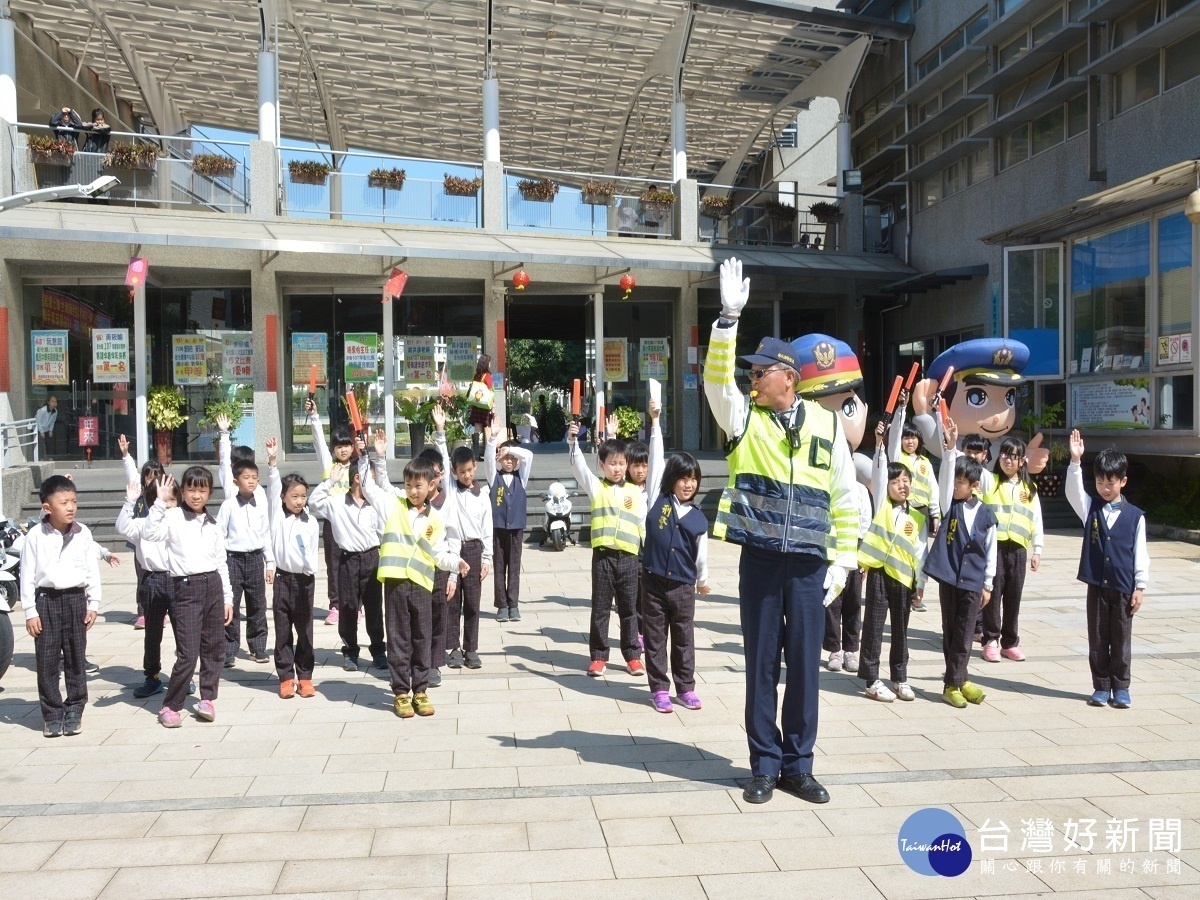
(49, 357)
(616, 360)
(362, 358)
(462, 353)
(1124, 404)
(237, 353)
(652, 358)
(309, 348)
(189, 358)
(110, 355)
(420, 367)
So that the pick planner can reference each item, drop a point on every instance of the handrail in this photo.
(364, 154)
(588, 175)
(18, 442)
(704, 185)
(140, 135)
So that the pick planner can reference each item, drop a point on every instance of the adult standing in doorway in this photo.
(45, 418)
(790, 504)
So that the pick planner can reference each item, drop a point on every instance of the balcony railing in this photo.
(596, 205)
(765, 218)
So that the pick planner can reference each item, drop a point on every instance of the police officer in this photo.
(790, 504)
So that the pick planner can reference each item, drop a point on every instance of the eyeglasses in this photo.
(1015, 457)
(758, 374)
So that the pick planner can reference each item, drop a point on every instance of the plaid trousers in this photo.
(293, 612)
(332, 553)
(247, 573)
(439, 614)
(614, 573)
(463, 612)
(198, 618)
(358, 588)
(408, 608)
(1110, 638)
(959, 610)
(60, 648)
(884, 595)
(669, 606)
(1000, 615)
(843, 617)
(507, 544)
(157, 588)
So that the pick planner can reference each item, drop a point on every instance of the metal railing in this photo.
(14, 436)
(764, 217)
(349, 192)
(623, 213)
(168, 181)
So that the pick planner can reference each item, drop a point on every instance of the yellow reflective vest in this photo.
(896, 546)
(618, 517)
(1012, 502)
(406, 556)
(922, 484)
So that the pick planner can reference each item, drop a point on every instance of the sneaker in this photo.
(879, 691)
(903, 691)
(148, 688)
(850, 662)
(636, 667)
(306, 688)
(689, 700)
(472, 660)
(1099, 698)
(139, 624)
(259, 658)
(169, 718)
(514, 614)
(1013, 653)
(596, 668)
(954, 697)
(435, 678)
(972, 693)
(835, 661)
(920, 606)
(455, 659)
(287, 689)
(991, 651)
(502, 614)
(403, 706)
(206, 711)
(191, 689)
(230, 659)
(331, 618)
(350, 664)
(661, 701)
(422, 704)
(1120, 700)
(52, 729)
(379, 662)
(73, 724)
(90, 667)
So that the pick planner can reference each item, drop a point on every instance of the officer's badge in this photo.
(629, 503)
(1024, 495)
(825, 355)
(1002, 357)
(910, 528)
(428, 532)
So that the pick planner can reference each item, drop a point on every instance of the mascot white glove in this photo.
(835, 582)
(735, 290)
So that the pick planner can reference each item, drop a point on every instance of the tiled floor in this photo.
(534, 781)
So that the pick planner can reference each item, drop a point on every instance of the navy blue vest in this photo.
(672, 542)
(1107, 560)
(958, 559)
(508, 503)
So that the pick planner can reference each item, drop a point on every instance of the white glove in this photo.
(835, 582)
(735, 290)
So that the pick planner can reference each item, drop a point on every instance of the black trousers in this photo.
(843, 617)
(358, 588)
(1000, 615)
(1110, 638)
(332, 552)
(293, 612)
(614, 574)
(247, 574)
(198, 618)
(462, 614)
(141, 584)
(158, 588)
(439, 614)
(669, 607)
(959, 609)
(506, 566)
(60, 649)
(408, 608)
(885, 595)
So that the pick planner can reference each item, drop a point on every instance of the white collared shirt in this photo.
(356, 526)
(194, 543)
(54, 559)
(151, 555)
(245, 525)
(295, 540)
(1078, 497)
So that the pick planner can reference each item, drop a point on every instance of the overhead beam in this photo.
(333, 123)
(823, 18)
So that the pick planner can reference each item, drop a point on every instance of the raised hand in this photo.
(380, 443)
(335, 472)
(735, 290)
(132, 492)
(222, 422)
(923, 393)
(880, 431)
(1036, 456)
(572, 432)
(310, 407)
(123, 444)
(951, 434)
(272, 447)
(1076, 445)
(439, 417)
(655, 410)
(165, 485)
(902, 399)
(610, 427)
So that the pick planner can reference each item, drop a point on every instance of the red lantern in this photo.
(521, 280)
(628, 283)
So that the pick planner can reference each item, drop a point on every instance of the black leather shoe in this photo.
(350, 664)
(52, 729)
(72, 725)
(805, 787)
(759, 790)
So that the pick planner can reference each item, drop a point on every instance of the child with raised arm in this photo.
(618, 523)
(1115, 565)
(60, 596)
(674, 570)
(151, 469)
(415, 544)
(904, 447)
(508, 466)
(341, 449)
(295, 536)
(201, 599)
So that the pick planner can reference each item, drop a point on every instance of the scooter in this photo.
(12, 538)
(558, 517)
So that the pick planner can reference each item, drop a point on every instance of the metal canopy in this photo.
(931, 281)
(405, 76)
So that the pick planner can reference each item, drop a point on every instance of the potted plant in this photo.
(51, 150)
(715, 206)
(461, 187)
(783, 213)
(308, 171)
(418, 413)
(599, 193)
(215, 407)
(214, 165)
(629, 422)
(131, 156)
(824, 212)
(540, 190)
(657, 198)
(386, 178)
(163, 414)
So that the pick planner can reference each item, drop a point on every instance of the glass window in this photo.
(931, 190)
(1135, 85)
(1007, 6)
(1181, 62)
(1130, 26)
(1174, 6)
(1014, 147)
(977, 119)
(1076, 115)
(1174, 276)
(1013, 50)
(955, 176)
(976, 75)
(1077, 8)
(1033, 282)
(1076, 60)
(1048, 130)
(976, 27)
(1047, 26)
(1110, 273)
(929, 149)
(952, 93)
(977, 166)
(929, 110)
(1176, 402)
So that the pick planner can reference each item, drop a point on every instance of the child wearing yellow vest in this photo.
(892, 552)
(1014, 500)
(618, 524)
(415, 544)
(904, 446)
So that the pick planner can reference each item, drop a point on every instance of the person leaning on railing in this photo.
(98, 133)
(67, 124)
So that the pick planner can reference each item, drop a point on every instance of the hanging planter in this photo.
(461, 187)
(599, 193)
(779, 212)
(306, 171)
(131, 156)
(540, 190)
(386, 178)
(214, 165)
(716, 207)
(657, 198)
(825, 213)
(51, 151)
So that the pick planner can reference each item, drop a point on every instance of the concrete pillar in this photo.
(843, 150)
(850, 228)
(270, 416)
(598, 332)
(389, 375)
(678, 141)
(268, 96)
(264, 180)
(494, 332)
(7, 149)
(141, 372)
(491, 120)
(12, 401)
(687, 211)
(685, 401)
(8, 66)
(494, 196)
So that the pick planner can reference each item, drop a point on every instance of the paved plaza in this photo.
(534, 781)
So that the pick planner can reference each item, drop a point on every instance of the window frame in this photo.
(1060, 246)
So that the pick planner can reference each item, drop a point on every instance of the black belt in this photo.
(358, 552)
(244, 553)
(472, 541)
(184, 578)
(297, 575)
(58, 593)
